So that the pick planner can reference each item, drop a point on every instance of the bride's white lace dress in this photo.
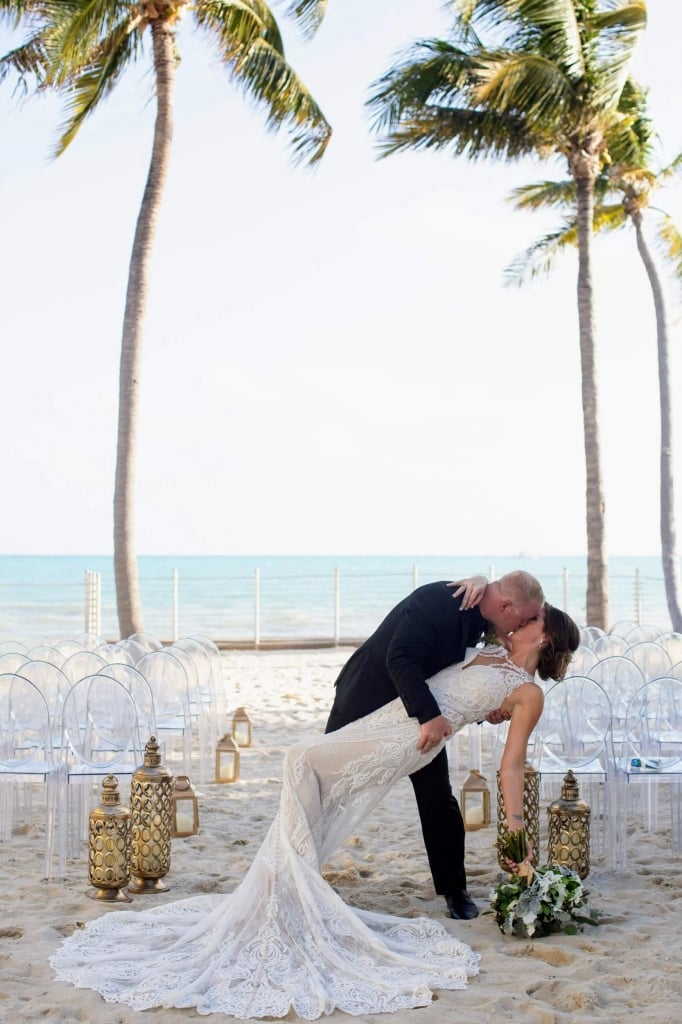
(284, 939)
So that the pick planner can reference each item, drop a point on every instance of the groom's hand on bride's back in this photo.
(432, 733)
(472, 590)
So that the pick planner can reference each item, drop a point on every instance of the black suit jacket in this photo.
(423, 634)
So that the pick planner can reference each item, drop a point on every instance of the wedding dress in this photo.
(284, 939)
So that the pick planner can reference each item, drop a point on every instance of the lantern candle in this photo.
(475, 801)
(226, 760)
(185, 808)
(151, 803)
(109, 846)
(569, 829)
(241, 727)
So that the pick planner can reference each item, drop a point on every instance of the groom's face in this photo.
(511, 617)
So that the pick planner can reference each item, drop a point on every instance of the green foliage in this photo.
(82, 48)
(552, 900)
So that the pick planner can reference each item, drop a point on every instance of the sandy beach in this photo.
(626, 968)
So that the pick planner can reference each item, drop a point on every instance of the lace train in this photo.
(284, 939)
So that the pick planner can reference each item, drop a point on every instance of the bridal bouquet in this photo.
(538, 901)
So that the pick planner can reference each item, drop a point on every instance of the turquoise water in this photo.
(45, 595)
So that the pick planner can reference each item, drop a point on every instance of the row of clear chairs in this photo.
(62, 732)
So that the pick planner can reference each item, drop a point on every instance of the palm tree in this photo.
(624, 192)
(87, 45)
(547, 84)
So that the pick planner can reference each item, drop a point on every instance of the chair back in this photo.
(100, 725)
(620, 677)
(25, 738)
(609, 646)
(574, 731)
(81, 664)
(653, 727)
(581, 662)
(653, 660)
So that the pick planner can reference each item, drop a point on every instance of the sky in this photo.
(332, 362)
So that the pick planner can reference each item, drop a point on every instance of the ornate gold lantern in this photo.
(241, 728)
(226, 760)
(185, 808)
(569, 829)
(151, 805)
(475, 801)
(109, 846)
(531, 811)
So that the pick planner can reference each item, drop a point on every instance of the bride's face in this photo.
(532, 633)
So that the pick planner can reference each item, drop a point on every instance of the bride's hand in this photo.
(473, 589)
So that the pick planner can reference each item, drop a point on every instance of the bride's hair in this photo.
(563, 637)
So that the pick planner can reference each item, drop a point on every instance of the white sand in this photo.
(625, 969)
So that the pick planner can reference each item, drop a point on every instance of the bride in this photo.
(284, 940)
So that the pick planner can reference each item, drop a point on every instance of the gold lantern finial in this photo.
(569, 829)
(241, 727)
(226, 759)
(531, 811)
(185, 808)
(151, 804)
(475, 801)
(109, 846)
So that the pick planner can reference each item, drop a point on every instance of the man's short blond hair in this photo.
(522, 588)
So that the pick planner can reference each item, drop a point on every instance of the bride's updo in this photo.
(563, 638)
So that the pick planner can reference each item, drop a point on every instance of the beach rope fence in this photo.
(266, 608)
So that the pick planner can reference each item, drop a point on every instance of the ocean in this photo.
(282, 597)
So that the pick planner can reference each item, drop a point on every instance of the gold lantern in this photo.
(109, 846)
(531, 811)
(151, 805)
(569, 829)
(226, 760)
(241, 728)
(475, 801)
(185, 808)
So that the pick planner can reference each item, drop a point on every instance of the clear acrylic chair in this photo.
(168, 681)
(672, 645)
(588, 634)
(141, 692)
(26, 755)
(582, 660)
(207, 711)
(81, 664)
(623, 627)
(100, 736)
(642, 634)
(54, 685)
(653, 660)
(12, 647)
(149, 641)
(46, 652)
(609, 646)
(11, 661)
(620, 678)
(651, 757)
(574, 733)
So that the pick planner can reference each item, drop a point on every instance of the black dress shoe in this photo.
(461, 906)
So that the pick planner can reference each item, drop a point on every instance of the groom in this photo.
(427, 631)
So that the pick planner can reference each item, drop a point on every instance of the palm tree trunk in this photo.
(671, 572)
(583, 168)
(125, 558)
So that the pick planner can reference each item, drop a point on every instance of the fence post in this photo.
(86, 620)
(337, 604)
(174, 591)
(565, 605)
(638, 598)
(415, 577)
(98, 604)
(256, 608)
(491, 572)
